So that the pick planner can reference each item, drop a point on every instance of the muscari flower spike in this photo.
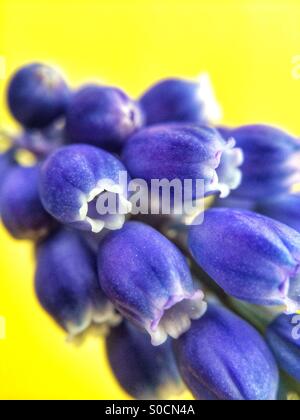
(21, 209)
(283, 336)
(102, 116)
(222, 357)
(184, 152)
(148, 280)
(145, 372)
(38, 95)
(285, 208)
(252, 257)
(67, 285)
(73, 180)
(181, 100)
(271, 161)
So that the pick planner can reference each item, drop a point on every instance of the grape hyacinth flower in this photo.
(285, 208)
(102, 116)
(148, 280)
(21, 209)
(222, 357)
(144, 371)
(179, 100)
(283, 336)
(73, 180)
(184, 152)
(38, 95)
(252, 257)
(67, 285)
(271, 161)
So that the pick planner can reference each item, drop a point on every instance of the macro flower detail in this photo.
(142, 210)
(148, 280)
(271, 161)
(183, 152)
(38, 95)
(181, 100)
(283, 336)
(285, 208)
(252, 257)
(67, 285)
(149, 372)
(222, 357)
(73, 180)
(21, 209)
(102, 116)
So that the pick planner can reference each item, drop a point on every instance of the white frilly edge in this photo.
(115, 221)
(176, 319)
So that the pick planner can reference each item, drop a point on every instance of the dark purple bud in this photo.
(144, 371)
(252, 257)
(271, 161)
(67, 285)
(21, 209)
(222, 357)
(149, 281)
(283, 336)
(184, 152)
(37, 96)
(179, 100)
(102, 116)
(74, 178)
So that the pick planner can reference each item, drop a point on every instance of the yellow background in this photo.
(247, 47)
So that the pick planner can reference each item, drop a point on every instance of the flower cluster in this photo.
(210, 305)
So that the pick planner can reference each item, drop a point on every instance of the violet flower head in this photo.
(184, 152)
(222, 357)
(179, 100)
(148, 280)
(252, 257)
(144, 371)
(271, 161)
(21, 209)
(67, 285)
(38, 95)
(102, 116)
(75, 179)
(283, 336)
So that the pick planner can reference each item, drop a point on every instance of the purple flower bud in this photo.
(283, 335)
(102, 116)
(184, 152)
(75, 178)
(285, 209)
(222, 357)
(148, 280)
(181, 100)
(271, 161)
(67, 285)
(250, 256)
(21, 209)
(144, 371)
(37, 95)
